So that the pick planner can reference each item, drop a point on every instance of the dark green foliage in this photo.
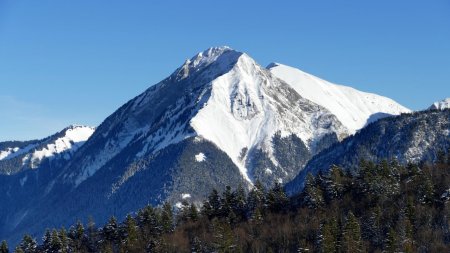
(4, 247)
(384, 208)
(27, 245)
(351, 235)
(167, 218)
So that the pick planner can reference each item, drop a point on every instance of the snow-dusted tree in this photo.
(28, 244)
(313, 195)
(351, 235)
(4, 247)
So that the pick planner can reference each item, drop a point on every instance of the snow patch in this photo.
(200, 157)
(352, 107)
(185, 196)
(11, 153)
(73, 138)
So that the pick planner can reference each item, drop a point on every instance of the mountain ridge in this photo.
(407, 138)
(219, 119)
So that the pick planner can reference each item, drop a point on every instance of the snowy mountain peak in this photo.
(440, 105)
(352, 107)
(222, 96)
(205, 58)
(250, 106)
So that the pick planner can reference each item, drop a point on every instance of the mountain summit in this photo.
(220, 119)
(220, 96)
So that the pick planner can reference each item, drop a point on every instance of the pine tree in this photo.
(224, 240)
(276, 199)
(240, 205)
(257, 200)
(130, 231)
(184, 213)
(351, 235)
(65, 242)
(151, 228)
(110, 234)
(167, 218)
(55, 242)
(92, 234)
(426, 190)
(46, 241)
(28, 244)
(329, 234)
(313, 195)
(391, 241)
(18, 250)
(4, 247)
(193, 213)
(227, 199)
(77, 236)
(215, 203)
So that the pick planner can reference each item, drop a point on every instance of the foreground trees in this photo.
(384, 207)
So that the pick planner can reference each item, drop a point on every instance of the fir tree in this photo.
(329, 236)
(257, 200)
(4, 247)
(313, 195)
(28, 244)
(215, 203)
(65, 241)
(224, 240)
(77, 236)
(351, 235)
(55, 242)
(277, 200)
(193, 213)
(130, 233)
(47, 241)
(110, 234)
(391, 241)
(18, 250)
(167, 218)
(240, 205)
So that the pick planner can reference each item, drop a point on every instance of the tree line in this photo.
(383, 207)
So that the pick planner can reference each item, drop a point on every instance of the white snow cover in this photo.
(185, 196)
(200, 157)
(241, 107)
(73, 138)
(243, 112)
(440, 105)
(352, 107)
(10, 153)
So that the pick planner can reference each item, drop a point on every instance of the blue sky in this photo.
(65, 62)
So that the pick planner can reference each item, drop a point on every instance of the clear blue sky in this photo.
(64, 62)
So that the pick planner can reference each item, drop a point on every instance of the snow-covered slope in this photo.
(440, 105)
(220, 95)
(248, 106)
(352, 107)
(31, 154)
(220, 119)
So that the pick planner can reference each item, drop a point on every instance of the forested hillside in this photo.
(384, 208)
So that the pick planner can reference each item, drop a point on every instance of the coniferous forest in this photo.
(384, 207)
